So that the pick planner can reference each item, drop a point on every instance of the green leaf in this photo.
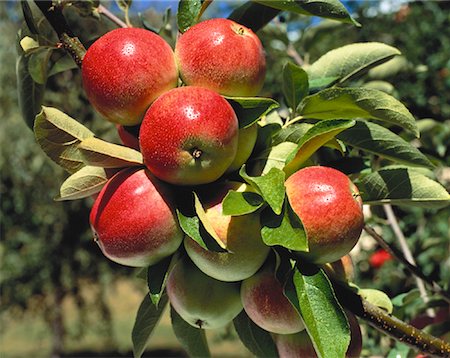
(59, 136)
(377, 298)
(284, 230)
(192, 339)
(124, 5)
(99, 153)
(270, 186)
(295, 84)
(30, 94)
(351, 60)
(147, 318)
(351, 103)
(63, 64)
(273, 157)
(85, 182)
(253, 15)
(316, 84)
(250, 109)
(255, 339)
(29, 19)
(292, 133)
(402, 186)
(313, 296)
(157, 276)
(38, 65)
(316, 136)
(329, 9)
(189, 12)
(376, 139)
(238, 203)
(28, 43)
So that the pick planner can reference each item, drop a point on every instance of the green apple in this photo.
(266, 305)
(133, 219)
(223, 56)
(246, 143)
(189, 136)
(240, 234)
(200, 300)
(125, 70)
(330, 208)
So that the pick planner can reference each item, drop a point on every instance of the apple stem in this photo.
(409, 266)
(69, 42)
(390, 325)
(108, 14)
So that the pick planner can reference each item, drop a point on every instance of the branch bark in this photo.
(68, 40)
(390, 325)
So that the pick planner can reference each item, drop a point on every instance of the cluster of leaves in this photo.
(324, 114)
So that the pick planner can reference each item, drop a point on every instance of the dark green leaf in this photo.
(270, 186)
(376, 139)
(402, 186)
(192, 339)
(329, 9)
(65, 63)
(285, 230)
(295, 84)
(313, 296)
(85, 182)
(238, 203)
(188, 14)
(292, 133)
(254, 338)
(351, 60)
(99, 153)
(29, 93)
(250, 109)
(253, 15)
(59, 136)
(147, 318)
(38, 65)
(352, 103)
(28, 16)
(157, 276)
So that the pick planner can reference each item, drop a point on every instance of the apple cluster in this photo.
(189, 136)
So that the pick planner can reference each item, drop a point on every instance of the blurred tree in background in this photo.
(46, 249)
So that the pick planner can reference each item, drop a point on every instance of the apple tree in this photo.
(241, 206)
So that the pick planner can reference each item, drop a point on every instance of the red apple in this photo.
(125, 70)
(379, 258)
(341, 270)
(330, 208)
(223, 56)
(300, 345)
(246, 143)
(129, 136)
(200, 300)
(266, 305)
(133, 219)
(189, 136)
(240, 234)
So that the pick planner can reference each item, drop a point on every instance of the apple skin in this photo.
(200, 300)
(125, 70)
(341, 270)
(300, 345)
(246, 143)
(223, 56)
(133, 219)
(330, 208)
(241, 234)
(128, 137)
(189, 136)
(267, 306)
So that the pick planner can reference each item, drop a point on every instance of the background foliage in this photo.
(47, 254)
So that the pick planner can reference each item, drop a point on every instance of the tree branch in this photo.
(410, 267)
(56, 19)
(390, 325)
(108, 14)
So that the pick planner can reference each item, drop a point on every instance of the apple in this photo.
(330, 208)
(223, 56)
(246, 143)
(240, 234)
(189, 136)
(300, 345)
(341, 270)
(200, 300)
(129, 136)
(125, 70)
(266, 305)
(379, 258)
(133, 219)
